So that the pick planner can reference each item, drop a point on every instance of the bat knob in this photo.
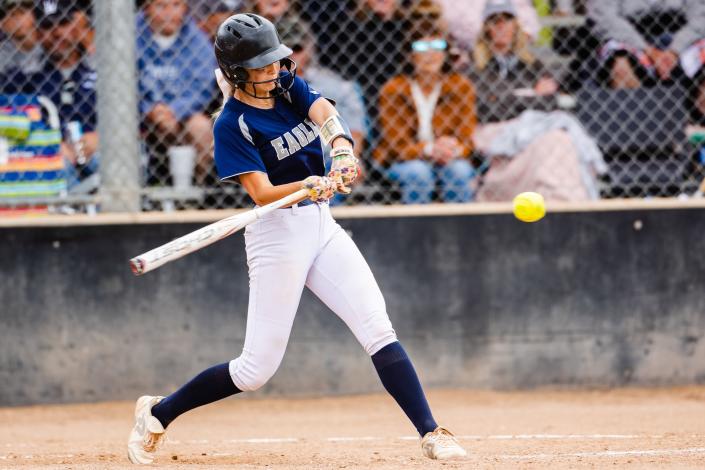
(137, 266)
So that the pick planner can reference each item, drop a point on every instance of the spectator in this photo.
(345, 93)
(529, 150)
(643, 41)
(21, 53)
(329, 83)
(209, 14)
(176, 63)
(427, 120)
(69, 82)
(503, 64)
(465, 22)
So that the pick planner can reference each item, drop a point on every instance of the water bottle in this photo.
(75, 131)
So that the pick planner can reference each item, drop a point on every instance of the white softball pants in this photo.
(287, 250)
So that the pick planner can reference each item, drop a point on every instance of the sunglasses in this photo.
(425, 46)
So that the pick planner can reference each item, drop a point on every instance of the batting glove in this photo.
(344, 169)
(320, 188)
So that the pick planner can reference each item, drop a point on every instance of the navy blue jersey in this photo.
(75, 96)
(281, 142)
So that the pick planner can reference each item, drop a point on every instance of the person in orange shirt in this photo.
(427, 120)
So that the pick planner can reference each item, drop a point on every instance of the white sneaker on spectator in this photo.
(440, 444)
(147, 434)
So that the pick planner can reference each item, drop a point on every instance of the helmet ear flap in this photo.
(237, 76)
(240, 74)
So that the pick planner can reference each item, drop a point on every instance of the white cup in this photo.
(182, 159)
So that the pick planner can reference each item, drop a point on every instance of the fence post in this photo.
(117, 105)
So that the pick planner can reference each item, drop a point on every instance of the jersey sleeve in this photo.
(302, 96)
(235, 151)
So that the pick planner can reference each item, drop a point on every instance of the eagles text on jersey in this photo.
(281, 142)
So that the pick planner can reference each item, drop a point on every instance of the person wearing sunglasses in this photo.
(427, 118)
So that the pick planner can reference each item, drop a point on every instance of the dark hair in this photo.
(425, 28)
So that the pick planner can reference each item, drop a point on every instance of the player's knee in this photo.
(380, 339)
(249, 375)
(256, 381)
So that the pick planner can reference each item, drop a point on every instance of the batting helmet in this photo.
(249, 41)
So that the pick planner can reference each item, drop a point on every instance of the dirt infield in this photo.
(662, 428)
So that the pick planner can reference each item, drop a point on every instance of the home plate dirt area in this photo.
(566, 429)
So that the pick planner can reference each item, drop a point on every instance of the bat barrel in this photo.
(205, 236)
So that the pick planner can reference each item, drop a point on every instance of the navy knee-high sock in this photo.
(210, 385)
(399, 378)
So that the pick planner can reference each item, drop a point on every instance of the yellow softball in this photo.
(529, 207)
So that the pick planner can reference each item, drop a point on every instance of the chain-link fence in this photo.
(107, 105)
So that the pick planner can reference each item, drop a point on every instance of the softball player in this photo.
(269, 137)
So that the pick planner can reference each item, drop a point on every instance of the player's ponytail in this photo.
(217, 112)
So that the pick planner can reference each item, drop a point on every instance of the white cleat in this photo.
(441, 445)
(147, 434)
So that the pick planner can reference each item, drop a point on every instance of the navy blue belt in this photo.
(305, 202)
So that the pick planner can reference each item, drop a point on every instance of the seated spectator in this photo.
(329, 83)
(503, 64)
(21, 54)
(427, 120)
(646, 42)
(175, 63)
(68, 80)
(529, 150)
(332, 85)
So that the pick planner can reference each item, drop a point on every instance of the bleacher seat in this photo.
(642, 135)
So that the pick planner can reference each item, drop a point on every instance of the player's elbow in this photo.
(261, 199)
(257, 186)
(257, 200)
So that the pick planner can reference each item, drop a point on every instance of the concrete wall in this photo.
(478, 300)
